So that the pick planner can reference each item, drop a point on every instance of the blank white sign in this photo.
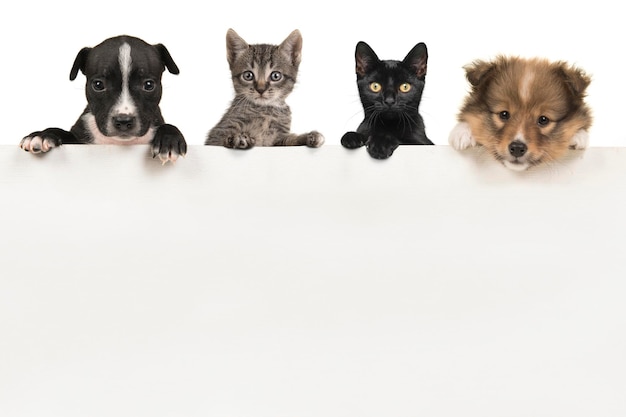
(311, 282)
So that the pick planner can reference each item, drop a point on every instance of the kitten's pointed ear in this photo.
(79, 63)
(365, 58)
(292, 47)
(235, 46)
(417, 59)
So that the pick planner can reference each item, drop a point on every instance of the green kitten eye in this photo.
(376, 87)
(405, 87)
(247, 76)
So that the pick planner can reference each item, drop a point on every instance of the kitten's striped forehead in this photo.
(262, 59)
(263, 55)
(262, 72)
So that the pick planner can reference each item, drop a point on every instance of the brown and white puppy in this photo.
(524, 112)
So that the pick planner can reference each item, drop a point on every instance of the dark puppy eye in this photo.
(543, 121)
(504, 115)
(276, 76)
(149, 85)
(97, 85)
(247, 76)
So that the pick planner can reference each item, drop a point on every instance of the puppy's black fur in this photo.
(123, 90)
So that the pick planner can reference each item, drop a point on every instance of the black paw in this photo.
(381, 149)
(44, 140)
(168, 144)
(352, 140)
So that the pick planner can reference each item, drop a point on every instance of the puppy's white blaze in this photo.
(580, 140)
(526, 84)
(100, 139)
(519, 137)
(461, 136)
(125, 103)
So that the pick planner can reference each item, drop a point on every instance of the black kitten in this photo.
(390, 92)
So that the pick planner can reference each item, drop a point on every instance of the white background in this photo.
(308, 282)
(41, 39)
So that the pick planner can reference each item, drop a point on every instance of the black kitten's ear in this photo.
(417, 59)
(235, 46)
(79, 63)
(365, 58)
(166, 58)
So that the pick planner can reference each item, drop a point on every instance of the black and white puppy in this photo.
(123, 92)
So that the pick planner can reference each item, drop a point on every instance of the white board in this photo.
(311, 282)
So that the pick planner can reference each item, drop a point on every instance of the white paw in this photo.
(461, 137)
(36, 144)
(580, 140)
(168, 157)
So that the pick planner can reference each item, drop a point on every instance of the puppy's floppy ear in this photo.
(79, 63)
(417, 59)
(235, 46)
(292, 47)
(576, 79)
(477, 71)
(166, 58)
(365, 58)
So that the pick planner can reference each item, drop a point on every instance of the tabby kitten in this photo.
(390, 93)
(263, 76)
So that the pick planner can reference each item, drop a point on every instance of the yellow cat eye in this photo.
(405, 88)
(375, 87)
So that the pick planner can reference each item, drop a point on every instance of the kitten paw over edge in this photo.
(242, 141)
(352, 140)
(315, 139)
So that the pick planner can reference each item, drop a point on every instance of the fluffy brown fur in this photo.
(524, 111)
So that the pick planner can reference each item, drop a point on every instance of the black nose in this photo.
(390, 100)
(517, 149)
(124, 122)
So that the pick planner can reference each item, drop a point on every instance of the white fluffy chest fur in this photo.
(98, 138)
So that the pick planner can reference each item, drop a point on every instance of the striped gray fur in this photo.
(263, 76)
